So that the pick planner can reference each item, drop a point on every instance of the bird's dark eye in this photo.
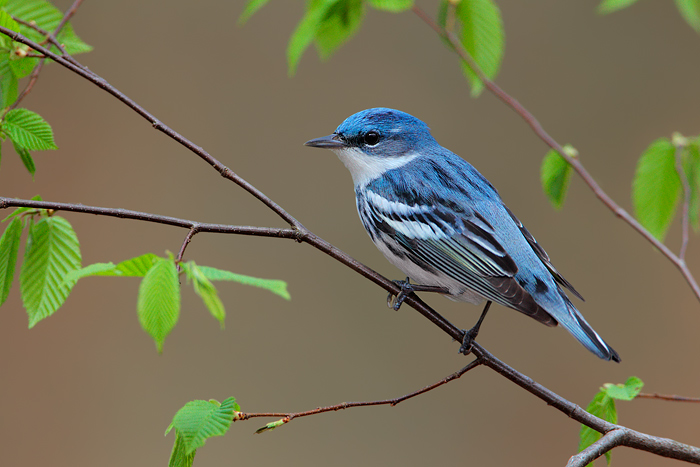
(371, 138)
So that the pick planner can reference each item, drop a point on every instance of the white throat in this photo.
(364, 168)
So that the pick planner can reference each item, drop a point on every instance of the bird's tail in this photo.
(584, 333)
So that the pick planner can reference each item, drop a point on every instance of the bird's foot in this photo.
(469, 336)
(468, 340)
(395, 301)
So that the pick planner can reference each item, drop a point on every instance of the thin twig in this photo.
(32, 80)
(188, 238)
(143, 216)
(606, 443)
(667, 397)
(346, 405)
(685, 224)
(67, 16)
(574, 162)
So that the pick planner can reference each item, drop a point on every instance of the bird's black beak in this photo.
(328, 142)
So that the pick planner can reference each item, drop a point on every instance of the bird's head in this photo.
(376, 140)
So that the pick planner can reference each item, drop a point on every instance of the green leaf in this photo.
(25, 157)
(657, 187)
(29, 130)
(52, 251)
(73, 44)
(250, 9)
(602, 406)
(394, 6)
(556, 175)
(158, 304)
(691, 165)
(610, 6)
(483, 36)
(199, 420)
(138, 266)
(47, 17)
(690, 10)
(96, 269)
(179, 456)
(22, 66)
(134, 267)
(340, 23)
(624, 392)
(305, 31)
(273, 285)
(8, 82)
(9, 245)
(206, 290)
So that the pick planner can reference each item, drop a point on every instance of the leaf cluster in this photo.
(52, 266)
(194, 423)
(52, 251)
(328, 24)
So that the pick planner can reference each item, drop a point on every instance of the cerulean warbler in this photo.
(443, 224)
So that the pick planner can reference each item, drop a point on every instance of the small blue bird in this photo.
(444, 225)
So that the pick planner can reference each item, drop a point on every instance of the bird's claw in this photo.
(468, 341)
(469, 336)
(395, 301)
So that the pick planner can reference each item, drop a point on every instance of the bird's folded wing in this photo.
(463, 247)
(543, 256)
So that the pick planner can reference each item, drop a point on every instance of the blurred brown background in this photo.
(86, 387)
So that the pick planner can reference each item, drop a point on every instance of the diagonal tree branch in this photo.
(530, 119)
